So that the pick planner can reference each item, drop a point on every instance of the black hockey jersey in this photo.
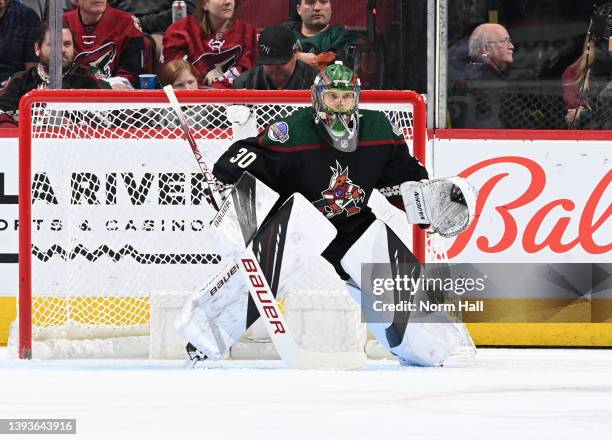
(291, 156)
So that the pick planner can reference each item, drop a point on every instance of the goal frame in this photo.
(397, 97)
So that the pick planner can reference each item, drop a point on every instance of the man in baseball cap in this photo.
(277, 65)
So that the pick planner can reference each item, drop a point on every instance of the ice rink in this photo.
(500, 394)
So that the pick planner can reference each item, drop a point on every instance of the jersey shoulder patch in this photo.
(279, 132)
(293, 130)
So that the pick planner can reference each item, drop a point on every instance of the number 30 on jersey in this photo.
(243, 158)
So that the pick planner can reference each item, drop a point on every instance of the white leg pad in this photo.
(427, 343)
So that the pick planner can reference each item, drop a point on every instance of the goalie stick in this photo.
(258, 285)
(215, 197)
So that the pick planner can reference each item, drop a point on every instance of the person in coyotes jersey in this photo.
(108, 41)
(219, 46)
(333, 154)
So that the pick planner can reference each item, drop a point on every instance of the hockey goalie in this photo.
(299, 189)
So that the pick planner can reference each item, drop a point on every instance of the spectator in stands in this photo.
(278, 66)
(180, 74)
(319, 43)
(37, 77)
(368, 66)
(154, 16)
(108, 41)
(490, 52)
(17, 34)
(41, 7)
(587, 84)
(576, 83)
(219, 46)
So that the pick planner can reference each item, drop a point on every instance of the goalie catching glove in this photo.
(448, 205)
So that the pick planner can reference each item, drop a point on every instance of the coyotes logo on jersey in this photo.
(342, 195)
(220, 59)
(99, 59)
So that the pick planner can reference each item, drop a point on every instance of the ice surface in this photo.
(513, 394)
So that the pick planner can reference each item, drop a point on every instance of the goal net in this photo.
(113, 209)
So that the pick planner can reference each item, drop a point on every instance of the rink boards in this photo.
(546, 199)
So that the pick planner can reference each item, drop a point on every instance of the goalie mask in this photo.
(335, 99)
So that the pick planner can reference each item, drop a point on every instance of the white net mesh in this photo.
(118, 205)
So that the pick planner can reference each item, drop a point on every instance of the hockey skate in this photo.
(194, 354)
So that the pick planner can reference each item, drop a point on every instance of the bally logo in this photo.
(264, 296)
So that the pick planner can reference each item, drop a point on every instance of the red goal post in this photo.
(56, 128)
